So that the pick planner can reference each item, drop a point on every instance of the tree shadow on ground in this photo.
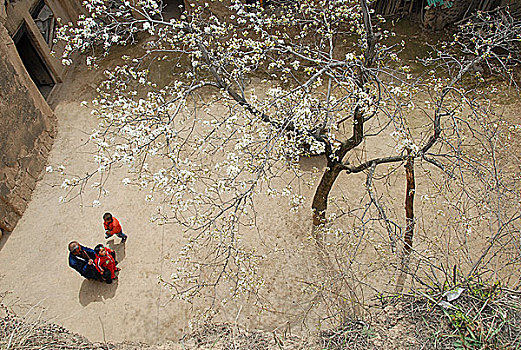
(95, 291)
(119, 249)
(308, 163)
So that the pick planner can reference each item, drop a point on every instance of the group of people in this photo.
(99, 263)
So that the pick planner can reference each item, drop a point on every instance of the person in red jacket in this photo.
(105, 263)
(112, 227)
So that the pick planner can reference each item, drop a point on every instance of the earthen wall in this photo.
(27, 122)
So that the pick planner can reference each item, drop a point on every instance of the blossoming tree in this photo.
(255, 89)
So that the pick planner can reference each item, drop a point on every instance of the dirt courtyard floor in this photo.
(36, 281)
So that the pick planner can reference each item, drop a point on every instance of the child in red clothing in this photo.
(112, 227)
(105, 262)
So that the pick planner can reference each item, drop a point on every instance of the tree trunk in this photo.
(409, 206)
(409, 224)
(319, 205)
(334, 166)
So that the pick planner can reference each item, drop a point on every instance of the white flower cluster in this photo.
(404, 142)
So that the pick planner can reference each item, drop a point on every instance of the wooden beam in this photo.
(55, 67)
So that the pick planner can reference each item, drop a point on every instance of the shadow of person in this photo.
(94, 291)
(119, 249)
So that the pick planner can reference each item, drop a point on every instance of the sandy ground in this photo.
(35, 279)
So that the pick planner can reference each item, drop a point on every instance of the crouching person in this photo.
(81, 259)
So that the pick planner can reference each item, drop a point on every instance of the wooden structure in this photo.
(437, 14)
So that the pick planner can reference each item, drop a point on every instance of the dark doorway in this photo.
(173, 9)
(33, 63)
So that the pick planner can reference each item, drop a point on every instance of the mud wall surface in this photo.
(27, 130)
(27, 123)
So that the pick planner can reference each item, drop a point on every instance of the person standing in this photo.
(105, 263)
(81, 259)
(113, 227)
